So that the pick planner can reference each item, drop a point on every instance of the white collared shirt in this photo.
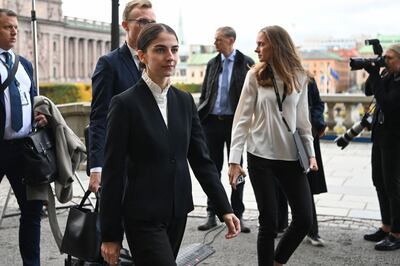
(258, 121)
(134, 56)
(160, 95)
(24, 89)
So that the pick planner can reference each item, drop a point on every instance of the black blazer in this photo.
(209, 88)
(159, 184)
(32, 92)
(316, 107)
(115, 72)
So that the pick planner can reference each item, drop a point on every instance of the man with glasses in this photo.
(115, 72)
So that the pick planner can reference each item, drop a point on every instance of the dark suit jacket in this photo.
(115, 72)
(316, 107)
(159, 184)
(209, 89)
(29, 70)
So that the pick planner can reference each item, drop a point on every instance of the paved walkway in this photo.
(350, 194)
(346, 212)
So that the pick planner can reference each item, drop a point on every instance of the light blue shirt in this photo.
(217, 106)
(24, 88)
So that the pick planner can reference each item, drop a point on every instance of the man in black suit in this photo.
(115, 72)
(220, 94)
(15, 124)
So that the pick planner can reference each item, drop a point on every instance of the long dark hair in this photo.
(149, 33)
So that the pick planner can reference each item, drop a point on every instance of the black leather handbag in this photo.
(39, 158)
(82, 237)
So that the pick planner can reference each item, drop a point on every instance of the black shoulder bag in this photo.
(39, 157)
(301, 150)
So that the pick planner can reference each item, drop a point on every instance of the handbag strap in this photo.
(11, 74)
(278, 99)
(86, 196)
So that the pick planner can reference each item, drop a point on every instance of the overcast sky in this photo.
(301, 18)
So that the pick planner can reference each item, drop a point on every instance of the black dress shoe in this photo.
(377, 236)
(244, 228)
(389, 243)
(210, 223)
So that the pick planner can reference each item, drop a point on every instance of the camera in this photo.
(357, 63)
(366, 122)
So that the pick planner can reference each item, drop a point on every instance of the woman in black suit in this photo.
(153, 131)
(316, 179)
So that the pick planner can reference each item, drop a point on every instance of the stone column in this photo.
(348, 121)
(85, 59)
(67, 59)
(331, 123)
(50, 42)
(61, 54)
(76, 59)
(103, 48)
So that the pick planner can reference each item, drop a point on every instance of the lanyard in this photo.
(278, 99)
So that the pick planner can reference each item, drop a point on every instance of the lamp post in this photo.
(114, 24)
(34, 38)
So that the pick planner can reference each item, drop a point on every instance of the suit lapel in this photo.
(173, 117)
(154, 113)
(128, 61)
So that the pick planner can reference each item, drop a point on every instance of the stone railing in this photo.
(76, 115)
(342, 111)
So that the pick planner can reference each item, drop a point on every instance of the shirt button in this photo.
(172, 161)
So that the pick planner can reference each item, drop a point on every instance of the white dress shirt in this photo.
(24, 88)
(258, 121)
(134, 56)
(160, 95)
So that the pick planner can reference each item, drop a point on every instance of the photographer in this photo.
(386, 147)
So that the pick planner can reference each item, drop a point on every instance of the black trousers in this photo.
(385, 159)
(218, 134)
(283, 213)
(29, 222)
(297, 190)
(155, 243)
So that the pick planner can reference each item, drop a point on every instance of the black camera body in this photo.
(357, 63)
(351, 133)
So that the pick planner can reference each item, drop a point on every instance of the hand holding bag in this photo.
(39, 158)
(82, 237)
(301, 149)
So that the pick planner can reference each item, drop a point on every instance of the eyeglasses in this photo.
(142, 21)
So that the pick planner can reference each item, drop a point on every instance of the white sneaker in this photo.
(316, 241)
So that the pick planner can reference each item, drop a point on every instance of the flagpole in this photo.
(34, 38)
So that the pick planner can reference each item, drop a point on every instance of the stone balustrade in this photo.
(342, 111)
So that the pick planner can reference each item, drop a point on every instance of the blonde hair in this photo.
(285, 60)
(135, 4)
(395, 48)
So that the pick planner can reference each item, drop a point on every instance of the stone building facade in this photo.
(68, 48)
